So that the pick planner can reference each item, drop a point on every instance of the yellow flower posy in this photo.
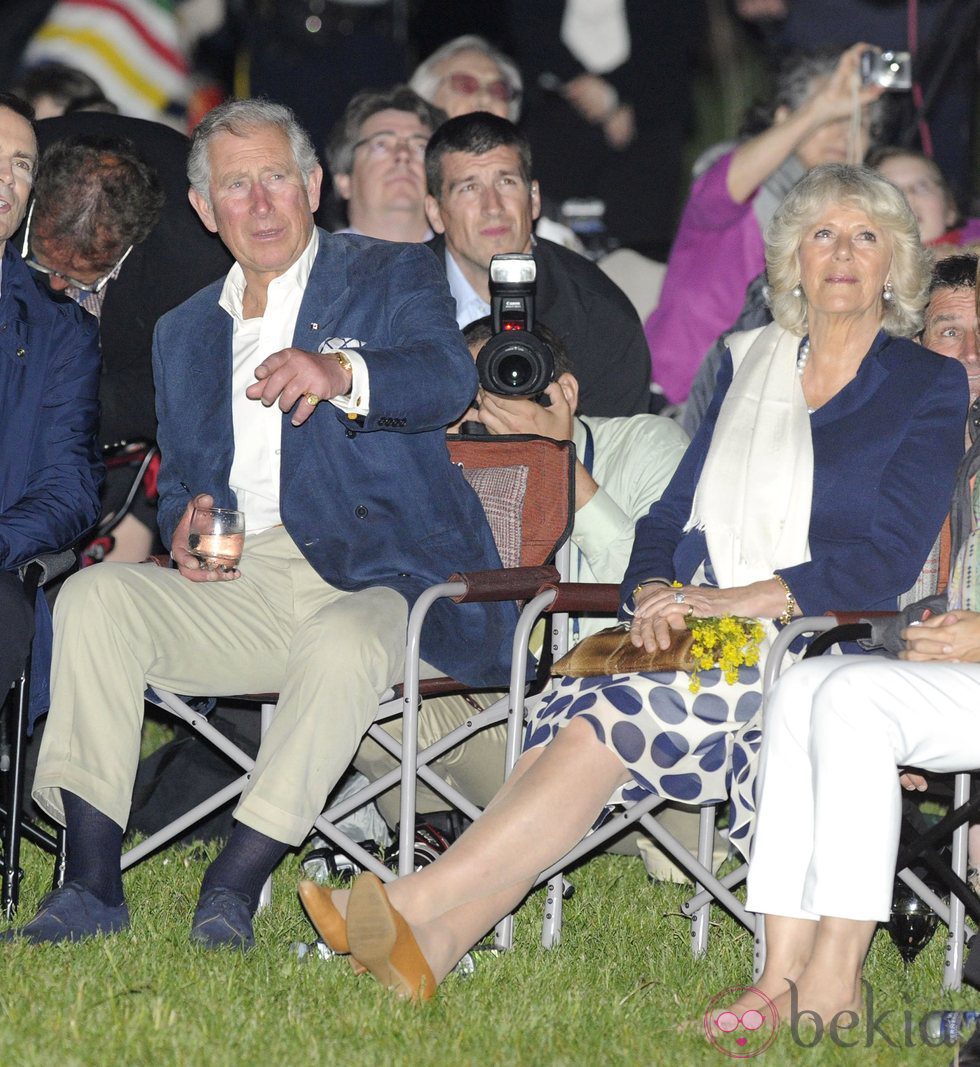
(728, 641)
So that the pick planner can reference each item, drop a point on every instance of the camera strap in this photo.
(588, 459)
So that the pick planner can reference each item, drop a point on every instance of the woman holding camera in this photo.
(820, 114)
(819, 479)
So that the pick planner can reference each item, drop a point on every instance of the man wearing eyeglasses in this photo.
(49, 379)
(110, 227)
(376, 154)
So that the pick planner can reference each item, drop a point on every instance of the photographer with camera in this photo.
(623, 466)
(482, 201)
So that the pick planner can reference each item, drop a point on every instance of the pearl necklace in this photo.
(801, 363)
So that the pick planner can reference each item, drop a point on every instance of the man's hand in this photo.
(512, 414)
(293, 375)
(950, 638)
(188, 564)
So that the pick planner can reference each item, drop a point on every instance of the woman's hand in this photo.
(834, 99)
(950, 638)
(911, 780)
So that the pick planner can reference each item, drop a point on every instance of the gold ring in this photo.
(312, 399)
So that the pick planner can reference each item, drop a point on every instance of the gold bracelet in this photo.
(649, 581)
(790, 610)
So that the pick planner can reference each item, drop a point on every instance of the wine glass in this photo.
(216, 537)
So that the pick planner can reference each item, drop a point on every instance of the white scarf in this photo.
(754, 494)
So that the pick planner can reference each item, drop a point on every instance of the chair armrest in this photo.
(504, 583)
(575, 597)
(851, 618)
(50, 565)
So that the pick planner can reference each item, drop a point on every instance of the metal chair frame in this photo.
(508, 584)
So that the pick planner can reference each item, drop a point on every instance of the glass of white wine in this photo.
(216, 537)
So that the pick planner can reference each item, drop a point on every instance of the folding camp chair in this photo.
(538, 520)
(570, 597)
(14, 825)
(922, 845)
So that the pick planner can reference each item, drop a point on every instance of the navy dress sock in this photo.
(93, 847)
(244, 864)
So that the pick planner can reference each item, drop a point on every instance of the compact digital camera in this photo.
(890, 70)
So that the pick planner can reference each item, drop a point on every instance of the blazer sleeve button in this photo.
(361, 511)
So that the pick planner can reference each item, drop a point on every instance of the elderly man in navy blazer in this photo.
(49, 381)
(310, 389)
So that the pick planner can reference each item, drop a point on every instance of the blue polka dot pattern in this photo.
(696, 748)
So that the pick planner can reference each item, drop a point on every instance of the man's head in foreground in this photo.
(481, 194)
(94, 200)
(18, 163)
(255, 182)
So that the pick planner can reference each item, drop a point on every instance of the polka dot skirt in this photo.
(688, 747)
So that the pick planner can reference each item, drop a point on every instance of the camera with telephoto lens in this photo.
(514, 362)
(890, 70)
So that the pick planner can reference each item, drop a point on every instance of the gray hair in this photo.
(368, 102)
(425, 80)
(837, 183)
(795, 82)
(242, 117)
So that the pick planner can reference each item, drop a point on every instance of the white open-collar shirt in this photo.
(255, 468)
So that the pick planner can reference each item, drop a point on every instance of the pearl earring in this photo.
(888, 294)
(798, 291)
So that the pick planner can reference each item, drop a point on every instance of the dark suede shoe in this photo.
(223, 919)
(69, 914)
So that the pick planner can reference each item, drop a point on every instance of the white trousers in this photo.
(836, 730)
(280, 628)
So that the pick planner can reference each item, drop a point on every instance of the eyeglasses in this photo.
(387, 143)
(86, 287)
(470, 85)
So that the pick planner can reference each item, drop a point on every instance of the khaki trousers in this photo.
(278, 628)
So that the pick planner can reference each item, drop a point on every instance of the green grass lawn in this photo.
(621, 988)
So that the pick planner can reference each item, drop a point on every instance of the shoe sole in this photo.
(327, 920)
(381, 940)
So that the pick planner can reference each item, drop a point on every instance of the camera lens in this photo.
(515, 370)
(515, 366)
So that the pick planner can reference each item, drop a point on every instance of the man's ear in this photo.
(313, 184)
(569, 387)
(341, 182)
(433, 214)
(535, 200)
(203, 209)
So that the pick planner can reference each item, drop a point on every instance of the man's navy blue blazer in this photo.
(371, 502)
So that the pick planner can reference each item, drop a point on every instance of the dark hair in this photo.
(347, 131)
(96, 195)
(69, 87)
(955, 272)
(14, 103)
(480, 331)
(478, 133)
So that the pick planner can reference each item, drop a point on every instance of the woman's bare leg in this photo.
(789, 947)
(831, 981)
